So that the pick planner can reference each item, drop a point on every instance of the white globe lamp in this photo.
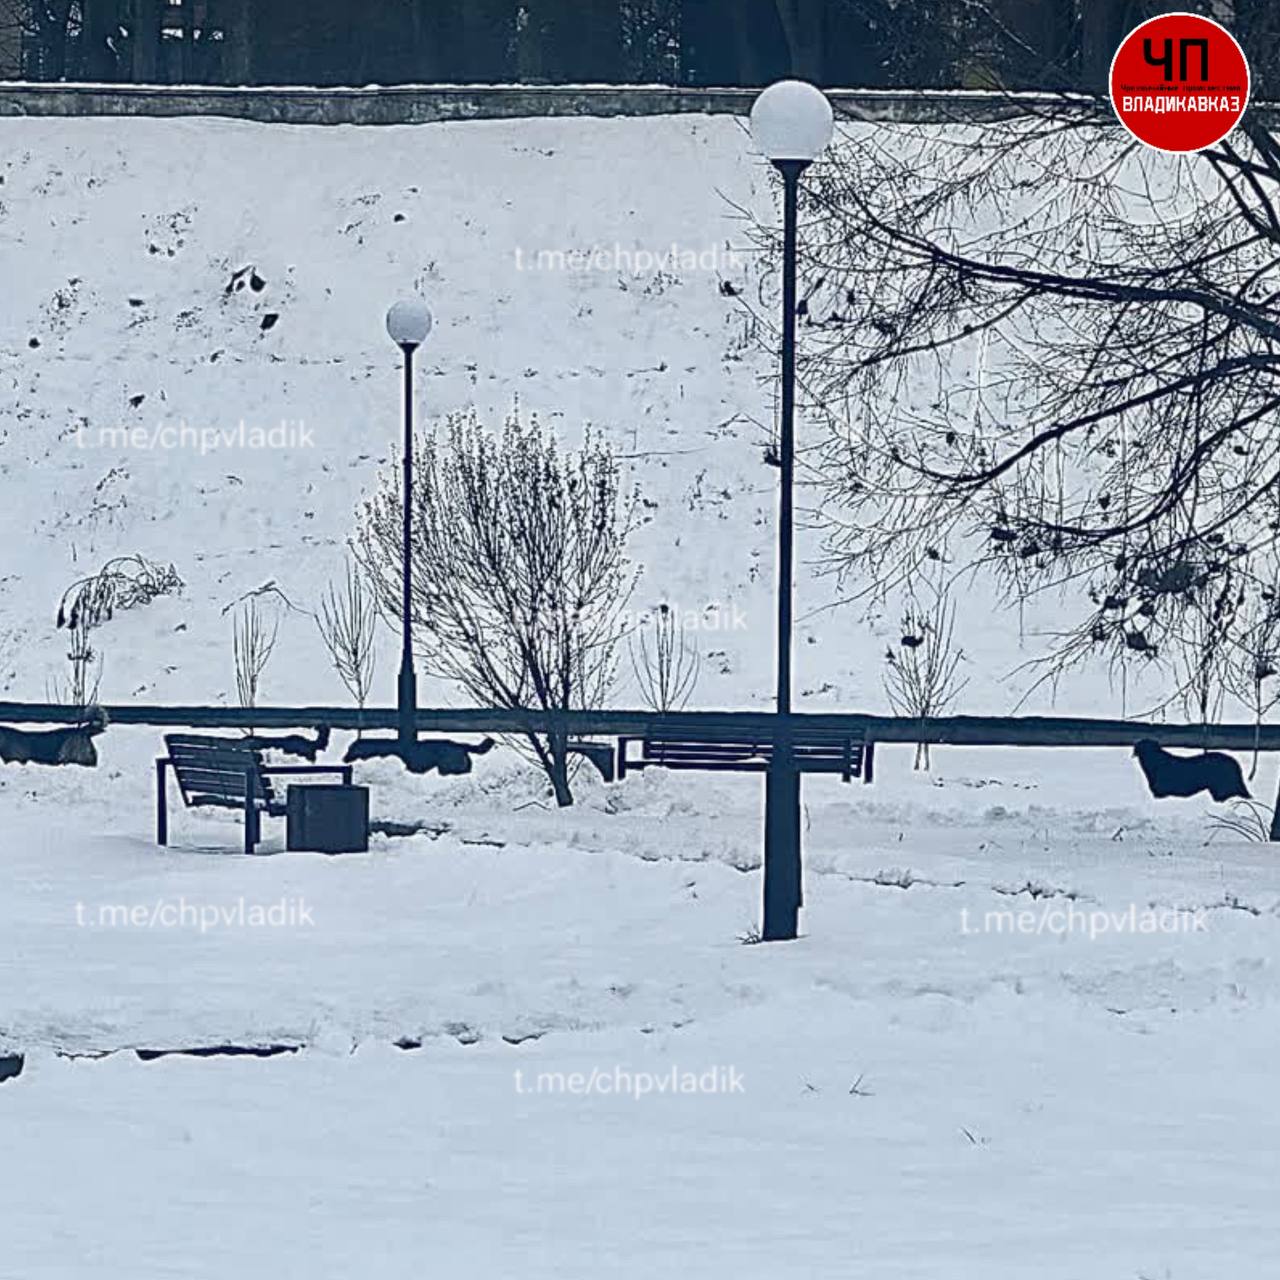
(792, 120)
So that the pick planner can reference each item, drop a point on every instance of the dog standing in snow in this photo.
(1170, 775)
(54, 746)
(293, 744)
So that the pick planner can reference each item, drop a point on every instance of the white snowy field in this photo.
(928, 1083)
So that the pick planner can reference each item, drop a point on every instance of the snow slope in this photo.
(118, 240)
(122, 243)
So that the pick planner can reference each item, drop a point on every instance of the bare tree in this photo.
(804, 25)
(921, 675)
(254, 638)
(665, 660)
(347, 622)
(1254, 660)
(1058, 352)
(125, 582)
(520, 573)
(47, 28)
(1057, 44)
(80, 691)
(1202, 650)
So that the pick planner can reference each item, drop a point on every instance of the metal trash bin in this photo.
(327, 819)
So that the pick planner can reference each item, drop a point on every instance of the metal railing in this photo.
(972, 731)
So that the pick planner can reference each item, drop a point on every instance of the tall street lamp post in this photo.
(408, 323)
(791, 124)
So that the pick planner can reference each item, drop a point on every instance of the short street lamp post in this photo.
(408, 323)
(791, 123)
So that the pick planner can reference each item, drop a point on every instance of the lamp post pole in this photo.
(782, 866)
(791, 122)
(791, 171)
(408, 689)
(408, 323)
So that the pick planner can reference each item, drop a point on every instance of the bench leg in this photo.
(252, 831)
(250, 813)
(162, 805)
(868, 762)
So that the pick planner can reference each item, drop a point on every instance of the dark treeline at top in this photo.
(1050, 44)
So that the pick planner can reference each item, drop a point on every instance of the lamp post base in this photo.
(782, 874)
(408, 706)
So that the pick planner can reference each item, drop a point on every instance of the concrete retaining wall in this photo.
(421, 104)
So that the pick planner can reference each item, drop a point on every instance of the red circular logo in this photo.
(1179, 82)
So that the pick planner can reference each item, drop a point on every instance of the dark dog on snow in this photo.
(1170, 775)
(294, 744)
(54, 746)
(450, 758)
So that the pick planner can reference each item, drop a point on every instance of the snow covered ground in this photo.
(974, 1064)
(1032, 1025)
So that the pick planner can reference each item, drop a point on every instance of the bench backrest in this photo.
(724, 746)
(739, 735)
(217, 770)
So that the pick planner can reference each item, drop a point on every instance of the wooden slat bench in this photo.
(225, 773)
(747, 751)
